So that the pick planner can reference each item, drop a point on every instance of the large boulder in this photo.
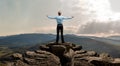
(17, 56)
(34, 58)
(42, 58)
(65, 51)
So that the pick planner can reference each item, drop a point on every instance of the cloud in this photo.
(94, 16)
(87, 10)
(100, 27)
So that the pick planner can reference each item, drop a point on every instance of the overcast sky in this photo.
(29, 16)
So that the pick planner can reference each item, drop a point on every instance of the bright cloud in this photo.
(91, 9)
(94, 16)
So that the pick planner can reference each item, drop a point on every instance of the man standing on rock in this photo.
(59, 20)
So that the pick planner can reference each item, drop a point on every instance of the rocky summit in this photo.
(61, 54)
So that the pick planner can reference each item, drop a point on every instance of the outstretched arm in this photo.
(68, 17)
(50, 17)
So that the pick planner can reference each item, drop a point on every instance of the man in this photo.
(59, 20)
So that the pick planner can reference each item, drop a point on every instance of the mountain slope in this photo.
(34, 40)
(25, 39)
(114, 37)
(92, 44)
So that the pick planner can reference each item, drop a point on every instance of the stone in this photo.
(30, 61)
(44, 47)
(17, 56)
(61, 54)
(42, 52)
(116, 60)
(80, 52)
(20, 63)
(69, 54)
(106, 57)
(80, 62)
(77, 47)
(91, 53)
(58, 49)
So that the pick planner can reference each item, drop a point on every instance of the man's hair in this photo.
(59, 13)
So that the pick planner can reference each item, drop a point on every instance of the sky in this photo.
(97, 17)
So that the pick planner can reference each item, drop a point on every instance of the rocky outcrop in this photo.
(34, 58)
(62, 54)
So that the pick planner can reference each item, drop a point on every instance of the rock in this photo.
(29, 61)
(98, 61)
(77, 47)
(69, 54)
(61, 54)
(17, 56)
(58, 49)
(69, 45)
(42, 52)
(32, 54)
(19, 63)
(35, 58)
(16, 63)
(80, 52)
(42, 58)
(80, 62)
(116, 60)
(44, 47)
(91, 53)
(106, 57)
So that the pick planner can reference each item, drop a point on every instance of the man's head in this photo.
(59, 13)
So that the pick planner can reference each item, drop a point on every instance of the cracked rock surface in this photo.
(61, 54)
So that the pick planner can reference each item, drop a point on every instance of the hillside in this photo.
(32, 41)
(25, 39)
(114, 37)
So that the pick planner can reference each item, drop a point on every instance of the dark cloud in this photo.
(100, 27)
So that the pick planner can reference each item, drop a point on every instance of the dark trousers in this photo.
(60, 29)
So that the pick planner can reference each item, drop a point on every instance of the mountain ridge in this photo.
(33, 40)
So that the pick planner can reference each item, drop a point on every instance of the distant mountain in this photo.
(93, 43)
(25, 39)
(88, 42)
(108, 40)
(114, 37)
(1, 37)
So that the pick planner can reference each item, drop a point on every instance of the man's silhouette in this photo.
(59, 20)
